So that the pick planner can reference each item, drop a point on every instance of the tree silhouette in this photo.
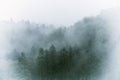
(62, 63)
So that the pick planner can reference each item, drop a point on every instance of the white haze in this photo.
(13, 36)
(60, 12)
(112, 71)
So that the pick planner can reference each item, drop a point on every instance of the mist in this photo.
(93, 40)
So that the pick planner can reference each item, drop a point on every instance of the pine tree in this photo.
(52, 59)
(22, 58)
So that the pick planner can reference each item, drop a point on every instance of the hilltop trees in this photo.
(52, 62)
(63, 63)
(78, 50)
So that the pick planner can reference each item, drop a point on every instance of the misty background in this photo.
(90, 38)
(31, 29)
(57, 12)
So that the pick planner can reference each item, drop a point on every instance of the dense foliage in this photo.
(45, 52)
(66, 63)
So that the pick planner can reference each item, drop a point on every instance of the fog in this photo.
(96, 36)
(57, 12)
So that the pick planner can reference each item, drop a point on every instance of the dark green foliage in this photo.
(22, 58)
(78, 50)
(64, 63)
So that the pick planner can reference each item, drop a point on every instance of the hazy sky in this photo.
(53, 11)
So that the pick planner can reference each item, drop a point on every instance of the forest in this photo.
(45, 52)
(65, 63)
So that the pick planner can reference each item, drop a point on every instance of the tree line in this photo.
(69, 62)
